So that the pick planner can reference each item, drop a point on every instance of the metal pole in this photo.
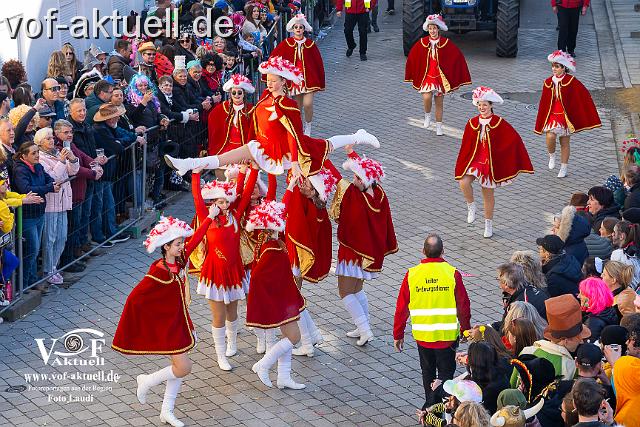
(136, 208)
(144, 171)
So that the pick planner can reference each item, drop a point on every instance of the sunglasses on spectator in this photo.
(185, 41)
(236, 92)
(53, 88)
(211, 64)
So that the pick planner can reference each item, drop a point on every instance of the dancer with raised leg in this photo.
(274, 300)
(155, 318)
(365, 236)
(491, 152)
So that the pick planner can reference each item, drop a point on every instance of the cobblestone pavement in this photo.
(346, 385)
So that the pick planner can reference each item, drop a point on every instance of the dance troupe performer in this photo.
(365, 235)
(308, 238)
(566, 107)
(274, 300)
(222, 271)
(305, 55)
(279, 143)
(435, 66)
(491, 152)
(155, 318)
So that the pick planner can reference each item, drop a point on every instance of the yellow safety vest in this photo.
(367, 4)
(432, 302)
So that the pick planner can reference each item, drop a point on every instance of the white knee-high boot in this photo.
(316, 336)
(262, 366)
(359, 318)
(360, 137)
(182, 166)
(284, 372)
(169, 401)
(261, 344)
(220, 347)
(145, 382)
(364, 303)
(307, 128)
(306, 349)
(232, 337)
(270, 338)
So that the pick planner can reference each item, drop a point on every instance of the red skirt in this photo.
(432, 81)
(274, 299)
(350, 265)
(480, 167)
(557, 121)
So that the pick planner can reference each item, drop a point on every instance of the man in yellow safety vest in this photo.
(357, 12)
(433, 294)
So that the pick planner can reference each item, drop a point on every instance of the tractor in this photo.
(502, 17)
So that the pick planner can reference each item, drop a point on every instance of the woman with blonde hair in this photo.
(470, 414)
(532, 268)
(72, 63)
(524, 310)
(58, 66)
(618, 277)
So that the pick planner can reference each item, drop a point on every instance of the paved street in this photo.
(346, 385)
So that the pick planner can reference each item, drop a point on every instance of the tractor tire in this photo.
(508, 21)
(413, 16)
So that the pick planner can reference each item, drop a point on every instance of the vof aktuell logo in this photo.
(80, 347)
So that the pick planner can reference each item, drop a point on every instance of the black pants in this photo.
(350, 21)
(374, 16)
(436, 363)
(390, 5)
(568, 20)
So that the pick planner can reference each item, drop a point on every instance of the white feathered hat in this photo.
(324, 182)
(435, 19)
(368, 170)
(179, 62)
(563, 58)
(166, 230)
(483, 93)
(281, 67)
(299, 19)
(219, 190)
(239, 81)
(268, 215)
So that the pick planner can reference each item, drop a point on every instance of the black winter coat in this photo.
(633, 197)
(529, 293)
(84, 138)
(597, 322)
(613, 211)
(184, 99)
(563, 273)
(106, 139)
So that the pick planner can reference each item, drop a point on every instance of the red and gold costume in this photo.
(308, 237)
(228, 127)
(305, 55)
(277, 138)
(436, 65)
(565, 107)
(492, 151)
(222, 271)
(365, 228)
(155, 318)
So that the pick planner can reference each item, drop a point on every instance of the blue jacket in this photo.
(574, 243)
(38, 181)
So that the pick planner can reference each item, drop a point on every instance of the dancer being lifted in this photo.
(365, 236)
(435, 66)
(308, 238)
(222, 272)
(305, 55)
(565, 108)
(491, 152)
(279, 144)
(155, 318)
(274, 300)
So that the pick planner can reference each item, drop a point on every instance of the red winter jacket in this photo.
(570, 4)
(357, 6)
(463, 307)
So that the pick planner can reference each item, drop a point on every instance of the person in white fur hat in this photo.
(491, 152)
(435, 66)
(565, 107)
(274, 300)
(155, 319)
(221, 271)
(279, 143)
(308, 238)
(305, 55)
(365, 235)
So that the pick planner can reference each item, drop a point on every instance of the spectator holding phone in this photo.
(589, 401)
(60, 165)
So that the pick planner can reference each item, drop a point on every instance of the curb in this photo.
(622, 65)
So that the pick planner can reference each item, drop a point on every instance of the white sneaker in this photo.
(471, 212)
(488, 228)
(365, 338)
(552, 160)
(263, 374)
(563, 170)
(167, 417)
(303, 351)
(289, 383)
(427, 120)
(354, 334)
(439, 131)
(364, 137)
